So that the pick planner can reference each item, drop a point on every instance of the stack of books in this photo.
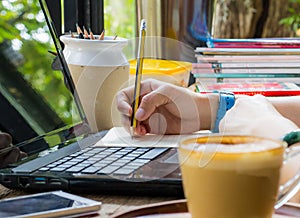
(265, 66)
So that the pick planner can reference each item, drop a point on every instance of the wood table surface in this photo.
(112, 205)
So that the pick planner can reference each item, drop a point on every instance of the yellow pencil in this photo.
(138, 76)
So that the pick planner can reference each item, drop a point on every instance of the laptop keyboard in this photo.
(102, 160)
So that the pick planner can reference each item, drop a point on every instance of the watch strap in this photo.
(226, 101)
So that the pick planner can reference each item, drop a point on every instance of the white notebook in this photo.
(118, 136)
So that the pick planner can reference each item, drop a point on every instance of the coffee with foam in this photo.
(238, 174)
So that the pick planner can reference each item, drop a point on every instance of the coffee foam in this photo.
(239, 157)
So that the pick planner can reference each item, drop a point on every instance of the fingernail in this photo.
(140, 113)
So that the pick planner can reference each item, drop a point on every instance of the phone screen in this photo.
(35, 204)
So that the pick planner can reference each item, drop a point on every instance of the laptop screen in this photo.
(39, 105)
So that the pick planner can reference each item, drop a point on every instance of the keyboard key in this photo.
(66, 165)
(75, 169)
(58, 169)
(122, 161)
(89, 161)
(128, 157)
(141, 161)
(104, 161)
(114, 149)
(76, 154)
(90, 170)
(108, 169)
(135, 165)
(85, 150)
(133, 155)
(153, 153)
(44, 169)
(82, 165)
(94, 159)
(142, 150)
(122, 152)
(100, 165)
(74, 160)
(66, 158)
(117, 156)
(128, 149)
(94, 151)
(51, 165)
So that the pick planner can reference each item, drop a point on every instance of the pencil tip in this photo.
(131, 130)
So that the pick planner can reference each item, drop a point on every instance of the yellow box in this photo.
(175, 72)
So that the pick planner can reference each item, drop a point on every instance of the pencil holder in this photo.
(99, 70)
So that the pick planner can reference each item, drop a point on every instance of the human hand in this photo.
(10, 156)
(164, 108)
(255, 115)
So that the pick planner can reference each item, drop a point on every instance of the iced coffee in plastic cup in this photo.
(99, 70)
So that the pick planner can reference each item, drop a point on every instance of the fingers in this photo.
(22, 155)
(125, 96)
(11, 157)
(5, 140)
(149, 104)
(141, 129)
(153, 95)
(124, 100)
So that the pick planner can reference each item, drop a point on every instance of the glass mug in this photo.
(235, 176)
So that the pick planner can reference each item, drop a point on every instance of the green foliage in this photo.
(119, 18)
(293, 21)
(30, 40)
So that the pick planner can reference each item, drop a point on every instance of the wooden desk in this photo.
(112, 205)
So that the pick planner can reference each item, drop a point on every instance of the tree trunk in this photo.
(251, 18)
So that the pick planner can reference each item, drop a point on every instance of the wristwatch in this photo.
(226, 101)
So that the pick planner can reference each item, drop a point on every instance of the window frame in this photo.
(88, 13)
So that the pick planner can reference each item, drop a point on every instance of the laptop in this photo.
(64, 155)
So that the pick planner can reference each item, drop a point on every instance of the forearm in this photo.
(288, 107)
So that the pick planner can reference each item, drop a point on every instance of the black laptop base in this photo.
(108, 186)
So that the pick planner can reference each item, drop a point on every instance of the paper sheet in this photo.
(118, 136)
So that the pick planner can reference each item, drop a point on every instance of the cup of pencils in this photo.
(99, 70)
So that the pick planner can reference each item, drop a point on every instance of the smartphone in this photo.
(48, 204)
